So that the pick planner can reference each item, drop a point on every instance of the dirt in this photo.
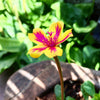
(72, 88)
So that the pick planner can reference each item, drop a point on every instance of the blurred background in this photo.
(19, 17)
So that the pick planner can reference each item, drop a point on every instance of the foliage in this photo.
(96, 96)
(87, 89)
(57, 91)
(19, 17)
(69, 98)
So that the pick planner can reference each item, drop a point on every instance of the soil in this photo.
(72, 88)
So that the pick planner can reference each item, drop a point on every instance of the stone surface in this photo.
(32, 80)
(3, 79)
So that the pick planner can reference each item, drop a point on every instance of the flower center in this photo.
(50, 33)
(51, 42)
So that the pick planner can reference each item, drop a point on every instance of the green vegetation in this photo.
(87, 89)
(19, 17)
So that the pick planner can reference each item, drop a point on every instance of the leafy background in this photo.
(19, 17)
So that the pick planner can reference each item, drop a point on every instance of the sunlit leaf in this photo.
(25, 40)
(37, 24)
(1, 5)
(67, 50)
(96, 96)
(9, 24)
(11, 45)
(85, 29)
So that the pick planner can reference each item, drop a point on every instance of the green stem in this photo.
(18, 19)
(61, 77)
(24, 6)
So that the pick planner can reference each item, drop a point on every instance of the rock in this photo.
(34, 79)
(3, 79)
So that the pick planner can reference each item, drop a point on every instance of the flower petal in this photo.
(56, 29)
(53, 51)
(38, 36)
(37, 51)
(65, 36)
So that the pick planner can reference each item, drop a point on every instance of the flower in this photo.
(48, 45)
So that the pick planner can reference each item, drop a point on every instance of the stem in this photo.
(19, 21)
(24, 6)
(61, 77)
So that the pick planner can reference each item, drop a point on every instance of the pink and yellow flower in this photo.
(48, 44)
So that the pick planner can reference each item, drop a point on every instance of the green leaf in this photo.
(24, 6)
(48, 2)
(11, 5)
(9, 24)
(2, 53)
(76, 55)
(85, 95)
(69, 98)
(10, 45)
(44, 17)
(67, 50)
(91, 56)
(63, 57)
(67, 12)
(87, 89)
(2, 11)
(56, 7)
(39, 8)
(24, 40)
(43, 58)
(46, 24)
(57, 91)
(1, 5)
(96, 96)
(35, 60)
(89, 38)
(72, 14)
(3, 20)
(7, 62)
(85, 29)
(97, 66)
(89, 50)
(30, 3)
(87, 8)
(37, 24)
